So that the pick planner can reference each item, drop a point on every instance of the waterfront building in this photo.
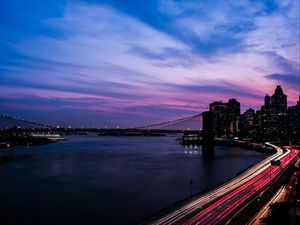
(226, 117)
(271, 122)
(257, 125)
(218, 110)
(233, 112)
(294, 122)
(274, 116)
(246, 124)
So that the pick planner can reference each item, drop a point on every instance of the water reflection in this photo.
(109, 180)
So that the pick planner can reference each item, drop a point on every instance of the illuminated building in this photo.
(271, 122)
(246, 124)
(226, 117)
(219, 113)
(294, 122)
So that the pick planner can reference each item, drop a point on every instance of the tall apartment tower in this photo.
(279, 99)
(274, 116)
(226, 117)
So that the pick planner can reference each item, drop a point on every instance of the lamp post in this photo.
(191, 186)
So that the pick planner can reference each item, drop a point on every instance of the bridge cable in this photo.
(168, 122)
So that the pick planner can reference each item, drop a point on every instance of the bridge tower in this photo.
(208, 148)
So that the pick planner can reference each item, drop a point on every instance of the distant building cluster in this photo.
(273, 122)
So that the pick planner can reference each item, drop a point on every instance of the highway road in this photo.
(220, 211)
(282, 195)
(221, 201)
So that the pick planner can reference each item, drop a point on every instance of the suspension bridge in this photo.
(188, 123)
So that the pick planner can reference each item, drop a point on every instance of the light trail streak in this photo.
(265, 208)
(219, 203)
(219, 210)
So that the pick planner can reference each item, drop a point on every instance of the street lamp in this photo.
(191, 185)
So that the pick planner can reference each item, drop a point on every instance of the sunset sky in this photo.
(135, 62)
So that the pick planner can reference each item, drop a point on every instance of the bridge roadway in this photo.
(218, 203)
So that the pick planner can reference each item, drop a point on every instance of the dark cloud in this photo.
(168, 57)
(282, 62)
(226, 35)
(232, 91)
(223, 37)
(101, 89)
(161, 110)
(70, 77)
(291, 80)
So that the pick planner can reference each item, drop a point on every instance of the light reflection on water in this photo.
(109, 180)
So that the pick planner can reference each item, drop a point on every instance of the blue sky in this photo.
(129, 63)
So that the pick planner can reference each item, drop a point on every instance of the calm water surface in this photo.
(108, 180)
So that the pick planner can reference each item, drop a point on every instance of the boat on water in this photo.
(191, 139)
(50, 136)
(4, 145)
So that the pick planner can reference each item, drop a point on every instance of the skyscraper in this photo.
(218, 110)
(246, 124)
(233, 112)
(279, 99)
(226, 117)
(294, 122)
(273, 116)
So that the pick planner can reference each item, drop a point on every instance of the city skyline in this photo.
(107, 63)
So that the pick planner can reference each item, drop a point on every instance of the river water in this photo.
(90, 179)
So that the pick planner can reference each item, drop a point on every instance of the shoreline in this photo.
(258, 147)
